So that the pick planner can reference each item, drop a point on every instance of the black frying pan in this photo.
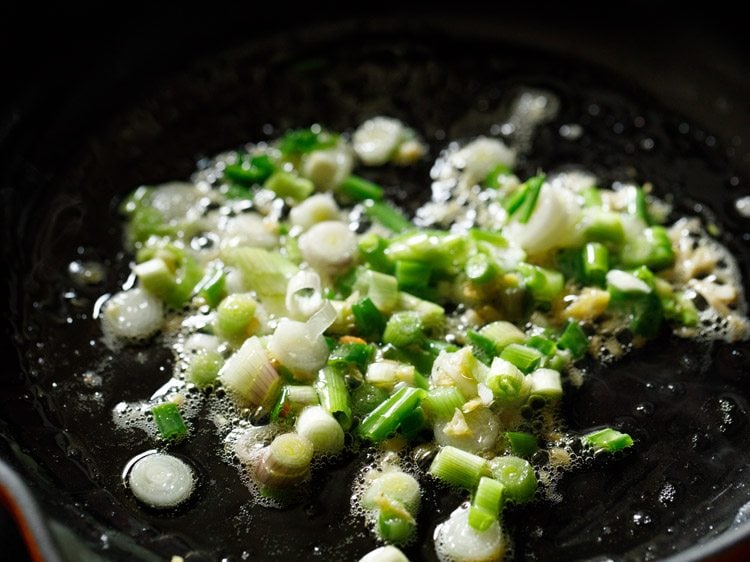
(141, 101)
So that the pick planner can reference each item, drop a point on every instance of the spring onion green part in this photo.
(203, 368)
(608, 439)
(524, 357)
(385, 419)
(522, 444)
(486, 504)
(574, 339)
(517, 477)
(386, 215)
(334, 396)
(360, 189)
(169, 421)
(369, 320)
(458, 467)
(441, 402)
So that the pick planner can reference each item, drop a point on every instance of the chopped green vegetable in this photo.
(169, 421)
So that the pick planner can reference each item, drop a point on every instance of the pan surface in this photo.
(136, 121)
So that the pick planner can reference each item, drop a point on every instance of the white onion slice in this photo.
(161, 480)
(457, 541)
(321, 320)
(300, 351)
(328, 246)
(376, 140)
(551, 224)
(322, 429)
(328, 168)
(249, 375)
(299, 303)
(388, 553)
(132, 314)
(317, 208)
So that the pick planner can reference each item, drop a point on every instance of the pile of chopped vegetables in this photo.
(322, 318)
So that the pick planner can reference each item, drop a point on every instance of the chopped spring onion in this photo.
(595, 263)
(212, 287)
(545, 345)
(431, 314)
(366, 397)
(382, 290)
(250, 171)
(387, 373)
(169, 421)
(544, 284)
(351, 354)
(329, 246)
(249, 375)
(486, 504)
(235, 317)
(132, 314)
(483, 348)
(377, 139)
(388, 553)
(522, 444)
(385, 419)
(317, 208)
(298, 347)
(524, 357)
(203, 368)
(303, 295)
(456, 539)
(359, 189)
(369, 320)
(328, 168)
(574, 339)
(334, 396)
(546, 383)
(395, 485)
(507, 382)
(161, 481)
(527, 205)
(481, 269)
(292, 400)
(412, 275)
(321, 429)
(285, 462)
(458, 467)
(516, 475)
(386, 215)
(395, 524)
(608, 439)
(264, 272)
(303, 141)
(441, 402)
(502, 333)
(403, 329)
(155, 276)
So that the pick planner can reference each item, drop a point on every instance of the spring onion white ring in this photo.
(328, 246)
(457, 541)
(133, 314)
(303, 295)
(249, 375)
(296, 346)
(321, 429)
(161, 481)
